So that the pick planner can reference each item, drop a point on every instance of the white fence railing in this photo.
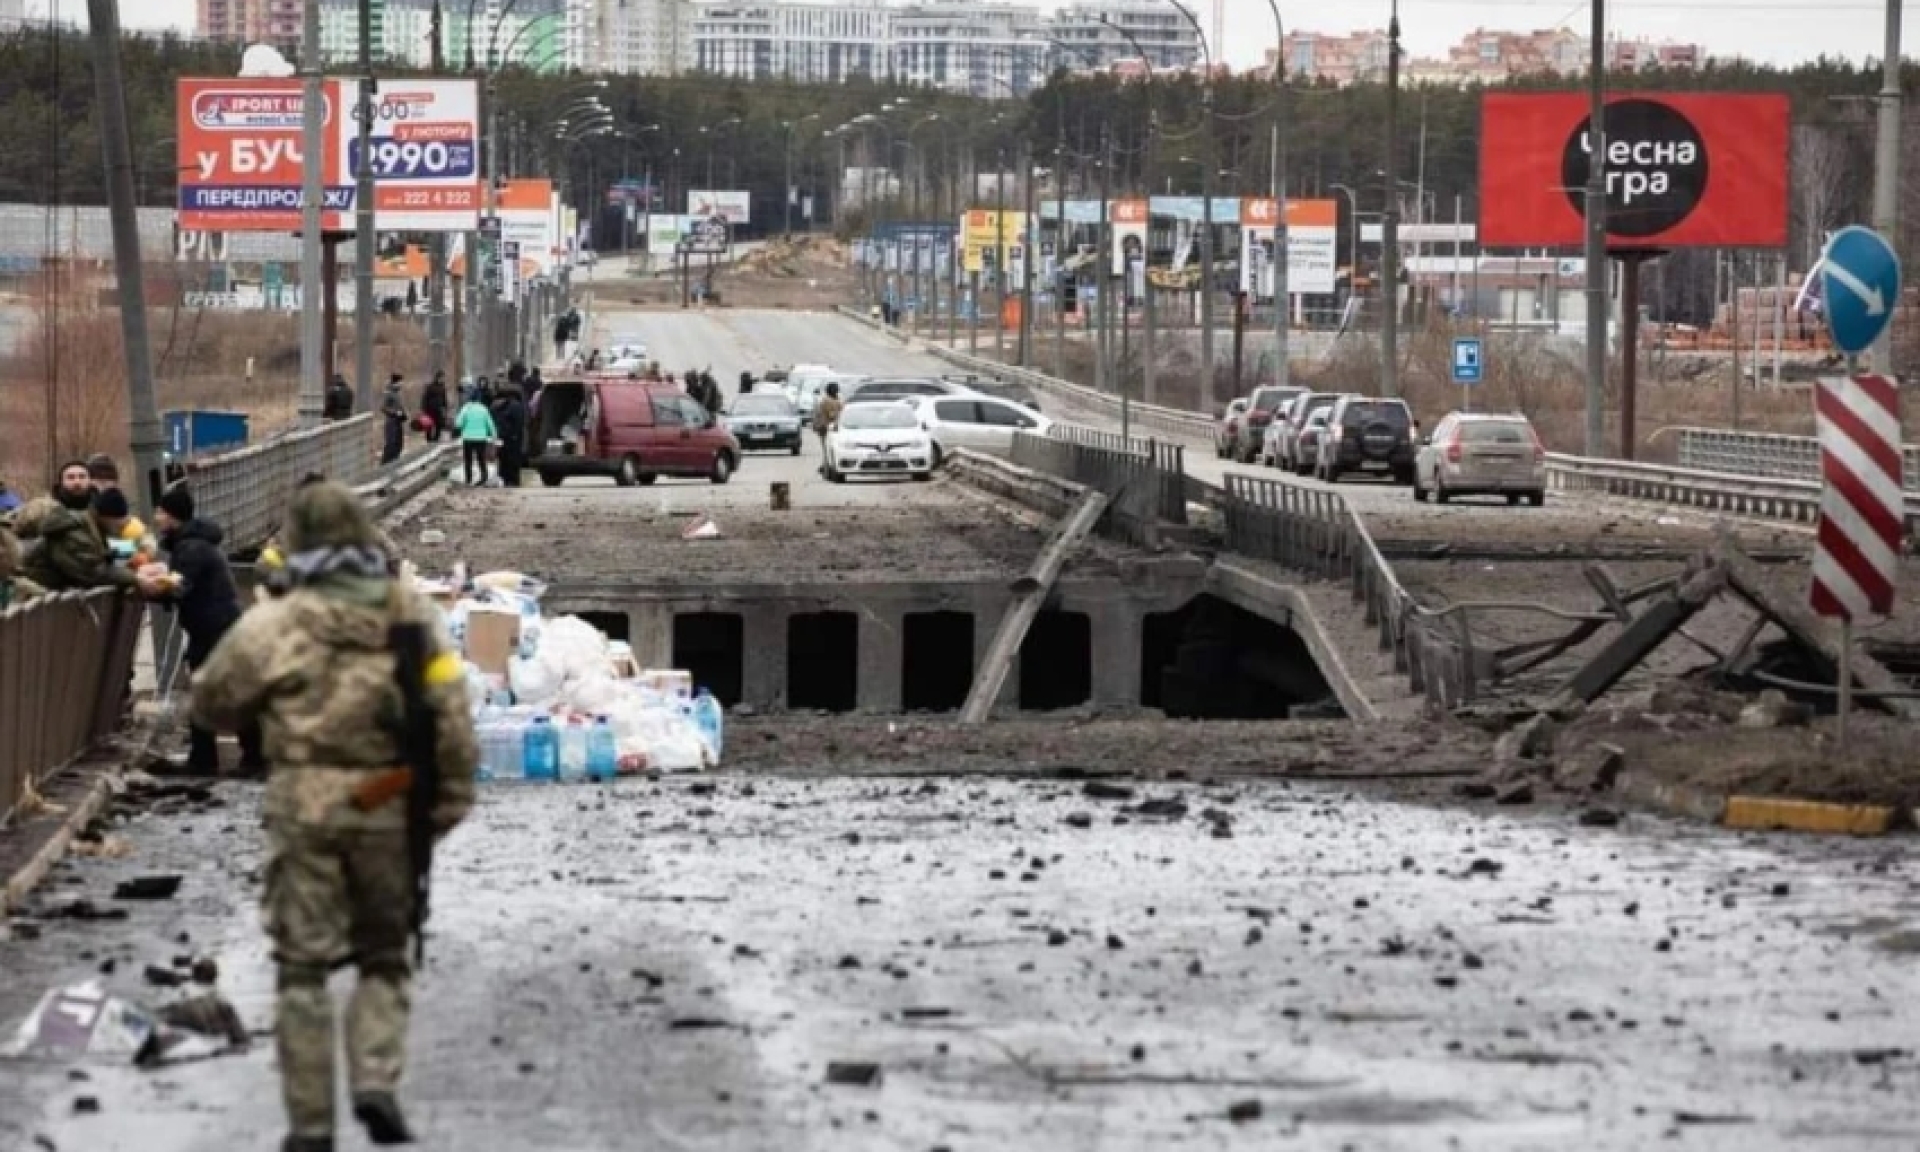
(1767, 454)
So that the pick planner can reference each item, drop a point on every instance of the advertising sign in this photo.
(1128, 222)
(707, 236)
(238, 151)
(241, 168)
(1313, 246)
(733, 205)
(984, 233)
(1682, 170)
(525, 208)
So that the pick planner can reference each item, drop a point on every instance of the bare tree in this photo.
(1825, 185)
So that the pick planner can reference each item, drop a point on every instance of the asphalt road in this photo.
(675, 965)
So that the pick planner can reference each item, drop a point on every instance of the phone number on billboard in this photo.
(417, 159)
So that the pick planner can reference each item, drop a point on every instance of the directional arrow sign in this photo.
(1861, 277)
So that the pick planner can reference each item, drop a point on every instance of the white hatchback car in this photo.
(979, 423)
(878, 440)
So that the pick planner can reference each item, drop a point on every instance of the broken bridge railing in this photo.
(1315, 531)
(1144, 480)
(66, 664)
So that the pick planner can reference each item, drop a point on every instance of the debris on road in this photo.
(854, 1073)
(86, 1020)
(147, 888)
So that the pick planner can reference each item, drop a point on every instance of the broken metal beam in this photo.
(1638, 639)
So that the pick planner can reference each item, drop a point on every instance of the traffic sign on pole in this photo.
(1860, 274)
(1466, 360)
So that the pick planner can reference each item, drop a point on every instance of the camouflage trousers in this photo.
(336, 897)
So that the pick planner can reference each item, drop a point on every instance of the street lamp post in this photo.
(1353, 239)
(1390, 225)
(1282, 290)
(1206, 205)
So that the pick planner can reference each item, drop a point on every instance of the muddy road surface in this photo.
(1027, 964)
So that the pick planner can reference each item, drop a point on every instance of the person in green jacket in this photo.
(73, 551)
(474, 423)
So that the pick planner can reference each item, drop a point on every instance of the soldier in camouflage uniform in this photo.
(314, 670)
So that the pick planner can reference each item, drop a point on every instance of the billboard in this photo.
(1683, 170)
(735, 206)
(983, 232)
(528, 218)
(241, 170)
(1127, 220)
(1313, 246)
(664, 233)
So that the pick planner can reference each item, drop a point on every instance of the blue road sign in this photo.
(1860, 276)
(1466, 360)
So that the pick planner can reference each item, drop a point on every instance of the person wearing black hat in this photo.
(74, 550)
(202, 592)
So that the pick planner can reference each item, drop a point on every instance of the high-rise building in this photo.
(986, 48)
(1102, 33)
(1485, 55)
(642, 37)
(968, 47)
(531, 33)
(275, 22)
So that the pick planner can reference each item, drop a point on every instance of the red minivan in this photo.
(634, 431)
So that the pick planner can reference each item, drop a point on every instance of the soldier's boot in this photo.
(377, 1047)
(303, 1028)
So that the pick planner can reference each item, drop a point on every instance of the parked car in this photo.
(1482, 454)
(1288, 451)
(1263, 407)
(806, 388)
(632, 431)
(626, 346)
(894, 388)
(1367, 434)
(878, 440)
(765, 420)
(981, 423)
(1306, 442)
(1005, 389)
(1226, 427)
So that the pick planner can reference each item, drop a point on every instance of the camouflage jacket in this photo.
(72, 553)
(314, 670)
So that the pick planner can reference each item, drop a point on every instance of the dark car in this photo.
(765, 420)
(1367, 434)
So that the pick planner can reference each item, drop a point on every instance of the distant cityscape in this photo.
(983, 48)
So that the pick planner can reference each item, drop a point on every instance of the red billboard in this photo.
(1683, 170)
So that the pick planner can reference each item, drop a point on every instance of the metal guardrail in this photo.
(1143, 484)
(1168, 463)
(246, 492)
(1769, 455)
(1795, 501)
(66, 665)
(1315, 531)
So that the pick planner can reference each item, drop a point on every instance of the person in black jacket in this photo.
(339, 399)
(393, 411)
(433, 402)
(510, 421)
(204, 595)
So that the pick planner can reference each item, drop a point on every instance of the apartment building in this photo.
(1483, 55)
(969, 48)
(983, 48)
(816, 43)
(640, 37)
(275, 22)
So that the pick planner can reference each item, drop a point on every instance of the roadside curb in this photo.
(105, 782)
(1755, 813)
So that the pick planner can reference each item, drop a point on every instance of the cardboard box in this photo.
(492, 638)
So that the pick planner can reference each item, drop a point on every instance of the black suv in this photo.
(1367, 434)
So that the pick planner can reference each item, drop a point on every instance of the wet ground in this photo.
(675, 965)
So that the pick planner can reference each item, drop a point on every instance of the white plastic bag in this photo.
(535, 681)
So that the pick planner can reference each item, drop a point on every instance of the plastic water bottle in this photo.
(603, 755)
(489, 732)
(708, 717)
(573, 751)
(541, 755)
(510, 750)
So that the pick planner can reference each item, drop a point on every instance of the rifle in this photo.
(420, 752)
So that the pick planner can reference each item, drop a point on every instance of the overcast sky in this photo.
(1773, 31)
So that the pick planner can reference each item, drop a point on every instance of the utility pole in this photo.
(437, 244)
(1390, 223)
(103, 18)
(1149, 392)
(1000, 269)
(1062, 233)
(1103, 268)
(1282, 290)
(363, 238)
(1206, 237)
(1596, 430)
(1886, 167)
(1029, 242)
(313, 191)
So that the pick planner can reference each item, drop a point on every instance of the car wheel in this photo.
(1537, 497)
(796, 447)
(1331, 475)
(722, 470)
(939, 453)
(1419, 493)
(552, 479)
(647, 478)
(1403, 476)
(833, 475)
(1513, 499)
(627, 474)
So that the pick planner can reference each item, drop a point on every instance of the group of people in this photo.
(492, 424)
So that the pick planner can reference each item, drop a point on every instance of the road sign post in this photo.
(1468, 368)
(1862, 500)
